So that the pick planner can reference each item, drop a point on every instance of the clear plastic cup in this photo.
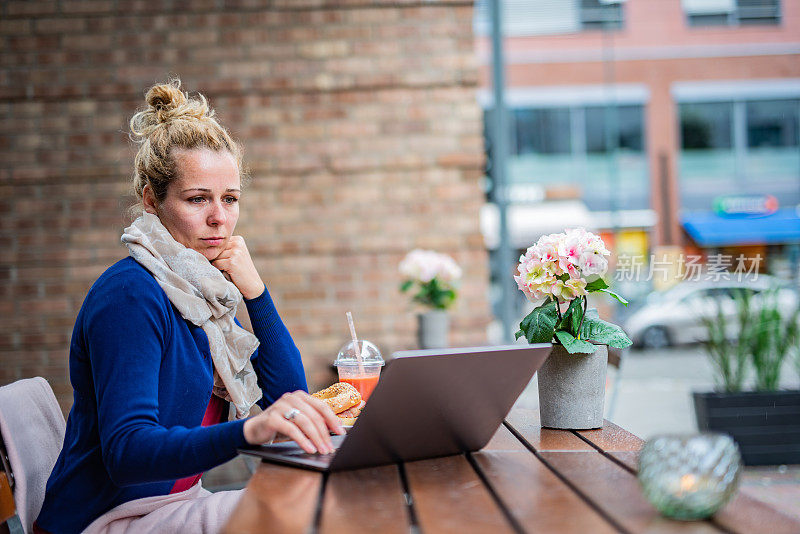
(364, 377)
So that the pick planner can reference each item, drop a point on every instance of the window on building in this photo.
(758, 11)
(601, 14)
(706, 126)
(772, 123)
(746, 146)
(549, 17)
(557, 147)
(542, 131)
(629, 127)
(732, 12)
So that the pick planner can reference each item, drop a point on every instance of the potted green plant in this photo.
(434, 277)
(765, 420)
(563, 269)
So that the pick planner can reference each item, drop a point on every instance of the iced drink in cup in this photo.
(364, 375)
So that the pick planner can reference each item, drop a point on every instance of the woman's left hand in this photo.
(235, 262)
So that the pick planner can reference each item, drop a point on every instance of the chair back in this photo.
(32, 428)
(9, 520)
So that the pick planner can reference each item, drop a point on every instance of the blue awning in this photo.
(710, 230)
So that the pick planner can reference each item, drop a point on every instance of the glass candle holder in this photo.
(689, 477)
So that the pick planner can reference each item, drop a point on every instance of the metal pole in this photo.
(499, 149)
(611, 115)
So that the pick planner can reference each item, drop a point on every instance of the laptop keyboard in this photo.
(299, 453)
(308, 456)
(292, 450)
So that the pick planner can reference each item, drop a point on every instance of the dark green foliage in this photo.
(431, 294)
(577, 328)
(765, 336)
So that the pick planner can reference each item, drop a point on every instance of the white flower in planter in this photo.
(435, 275)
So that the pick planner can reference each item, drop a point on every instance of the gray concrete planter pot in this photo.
(572, 389)
(433, 329)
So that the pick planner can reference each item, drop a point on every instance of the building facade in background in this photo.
(361, 134)
(674, 122)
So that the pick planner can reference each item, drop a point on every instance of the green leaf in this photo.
(433, 293)
(547, 306)
(525, 323)
(423, 298)
(563, 277)
(596, 285)
(601, 331)
(592, 313)
(572, 317)
(540, 325)
(573, 345)
(622, 300)
(518, 334)
(405, 286)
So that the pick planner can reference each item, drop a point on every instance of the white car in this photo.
(673, 317)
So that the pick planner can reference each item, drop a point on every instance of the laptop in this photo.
(427, 403)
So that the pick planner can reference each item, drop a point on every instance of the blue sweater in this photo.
(142, 378)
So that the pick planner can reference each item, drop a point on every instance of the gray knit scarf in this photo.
(205, 298)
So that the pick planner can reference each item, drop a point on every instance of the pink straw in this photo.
(355, 342)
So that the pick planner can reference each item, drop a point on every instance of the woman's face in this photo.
(202, 204)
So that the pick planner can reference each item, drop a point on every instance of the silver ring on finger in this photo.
(291, 414)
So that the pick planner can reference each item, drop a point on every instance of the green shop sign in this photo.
(745, 205)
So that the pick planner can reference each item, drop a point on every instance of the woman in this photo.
(157, 359)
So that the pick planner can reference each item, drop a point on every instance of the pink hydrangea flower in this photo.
(576, 252)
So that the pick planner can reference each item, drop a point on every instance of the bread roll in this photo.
(340, 396)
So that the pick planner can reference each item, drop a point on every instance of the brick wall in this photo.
(361, 133)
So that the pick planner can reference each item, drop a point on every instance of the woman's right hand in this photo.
(310, 426)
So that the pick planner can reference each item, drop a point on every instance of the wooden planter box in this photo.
(766, 425)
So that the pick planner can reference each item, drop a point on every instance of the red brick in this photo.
(140, 40)
(45, 306)
(87, 6)
(60, 25)
(191, 38)
(18, 43)
(15, 26)
(86, 42)
(30, 7)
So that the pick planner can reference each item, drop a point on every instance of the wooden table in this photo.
(527, 479)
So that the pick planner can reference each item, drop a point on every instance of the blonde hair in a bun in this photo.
(172, 120)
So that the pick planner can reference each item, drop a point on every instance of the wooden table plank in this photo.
(612, 438)
(449, 496)
(365, 500)
(616, 491)
(277, 499)
(629, 459)
(535, 497)
(746, 515)
(504, 440)
(526, 422)
(742, 515)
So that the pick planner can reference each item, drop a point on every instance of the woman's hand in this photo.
(235, 262)
(301, 417)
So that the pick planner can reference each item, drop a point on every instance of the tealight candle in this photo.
(687, 484)
(689, 477)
